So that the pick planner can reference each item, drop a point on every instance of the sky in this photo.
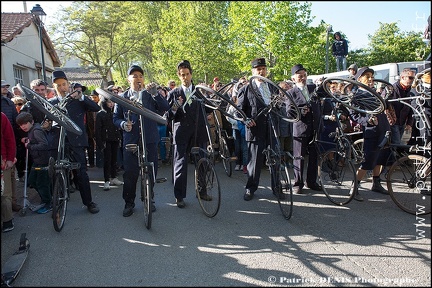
(355, 19)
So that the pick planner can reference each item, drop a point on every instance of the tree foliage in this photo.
(219, 38)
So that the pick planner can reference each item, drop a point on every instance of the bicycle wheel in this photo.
(383, 88)
(207, 182)
(278, 97)
(146, 195)
(337, 176)
(285, 193)
(52, 112)
(219, 101)
(60, 199)
(355, 95)
(357, 151)
(135, 107)
(409, 184)
(225, 156)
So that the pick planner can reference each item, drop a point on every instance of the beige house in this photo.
(21, 58)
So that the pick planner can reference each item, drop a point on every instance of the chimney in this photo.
(25, 6)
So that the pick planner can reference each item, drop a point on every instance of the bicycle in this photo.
(280, 108)
(409, 177)
(60, 169)
(146, 173)
(337, 166)
(206, 179)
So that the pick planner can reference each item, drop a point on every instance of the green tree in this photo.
(98, 33)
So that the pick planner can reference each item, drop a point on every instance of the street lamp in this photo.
(40, 13)
(329, 30)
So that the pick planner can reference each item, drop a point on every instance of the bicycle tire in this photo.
(146, 196)
(357, 151)
(206, 178)
(410, 190)
(285, 195)
(225, 156)
(217, 101)
(383, 88)
(355, 95)
(133, 106)
(337, 176)
(52, 112)
(278, 95)
(60, 200)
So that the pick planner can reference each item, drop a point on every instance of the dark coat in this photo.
(308, 123)
(189, 121)
(38, 145)
(105, 128)
(404, 113)
(76, 110)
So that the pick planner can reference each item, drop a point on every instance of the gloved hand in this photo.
(152, 88)
(126, 126)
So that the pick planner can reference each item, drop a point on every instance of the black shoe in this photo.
(206, 197)
(248, 195)
(315, 186)
(8, 226)
(180, 203)
(379, 189)
(92, 207)
(128, 210)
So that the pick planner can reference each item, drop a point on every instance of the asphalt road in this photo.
(370, 243)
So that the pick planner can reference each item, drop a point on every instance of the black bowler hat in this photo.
(58, 75)
(77, 85)
(134, 68)
(362, 71)
(297, 68)
(258, 62)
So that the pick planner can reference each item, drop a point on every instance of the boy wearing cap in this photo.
(130, 124)
(77, 107)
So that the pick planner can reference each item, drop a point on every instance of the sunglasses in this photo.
(5, 86)
(19, 104)
(410, 77)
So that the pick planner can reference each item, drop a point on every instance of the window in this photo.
(18, 75)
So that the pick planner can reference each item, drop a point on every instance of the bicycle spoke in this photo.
(337, 177)
(285, 196)
(355, 95)
(279, 99)
(60, 198)
(207, 183)
(409, 184)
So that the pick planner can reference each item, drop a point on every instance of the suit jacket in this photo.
(76, 110)
(308, 123)
(251, 106)
(157, 104)
(189, 121)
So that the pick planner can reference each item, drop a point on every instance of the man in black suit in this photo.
(78, 105)
(189, 128)
(304, 130)
(153, 101)
(258, 132)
